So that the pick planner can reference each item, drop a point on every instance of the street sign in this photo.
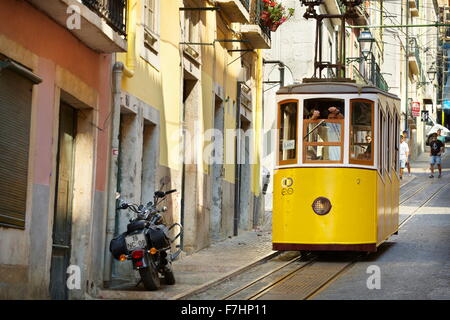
(415, 109)
(424, 115)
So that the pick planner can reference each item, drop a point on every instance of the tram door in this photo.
(62, 223)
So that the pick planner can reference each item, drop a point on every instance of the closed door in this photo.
(62, 223)
(244, 176)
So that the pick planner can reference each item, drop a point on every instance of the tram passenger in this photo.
(334, 113)
(315, 114)
(334, 134)
(404, 153)
(368, 152)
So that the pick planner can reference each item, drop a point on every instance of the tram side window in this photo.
(361, 132)
(381, 120)
(323, 123)
(288, 133)
(389, 124)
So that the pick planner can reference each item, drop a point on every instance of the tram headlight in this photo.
(321, 206)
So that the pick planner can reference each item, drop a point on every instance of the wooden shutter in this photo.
(15, 118)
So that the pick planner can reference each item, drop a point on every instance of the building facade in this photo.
(184, 89)
(418, 85)
(55, 101)
(443, 97)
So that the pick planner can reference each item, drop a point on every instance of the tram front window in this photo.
(288, 133)
(323, 124)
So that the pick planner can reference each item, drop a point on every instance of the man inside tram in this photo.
(368, 152)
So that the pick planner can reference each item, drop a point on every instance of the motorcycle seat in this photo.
(136, 225)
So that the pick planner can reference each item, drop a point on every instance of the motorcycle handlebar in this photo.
(170, 191)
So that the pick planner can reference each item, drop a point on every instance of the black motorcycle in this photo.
(147, 243)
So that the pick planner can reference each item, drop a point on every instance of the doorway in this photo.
(244, 174)
(217, 170)
(62, 223)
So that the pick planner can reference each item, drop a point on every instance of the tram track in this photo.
(243, 291)
(421, 188)
(302, 278)
(433, 195)
(308, 281)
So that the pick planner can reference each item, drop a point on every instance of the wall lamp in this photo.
(366, 41)
(431, 73)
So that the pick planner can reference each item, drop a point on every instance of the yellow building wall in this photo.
(220, 67)
(161, 87)
(158, 86)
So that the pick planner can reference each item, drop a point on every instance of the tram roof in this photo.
(333, 87)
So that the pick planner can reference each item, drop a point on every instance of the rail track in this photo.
(302, 277)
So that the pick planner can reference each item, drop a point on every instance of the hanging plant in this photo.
(274, 14)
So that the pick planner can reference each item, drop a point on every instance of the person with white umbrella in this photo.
(436, 149)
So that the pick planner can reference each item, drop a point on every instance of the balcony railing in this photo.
(113, 11)
(378, 79)
(369, 72)
(257, 18)
(246, 4)
(415, 53)
(255, 32)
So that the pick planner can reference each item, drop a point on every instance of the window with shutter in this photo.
(15, 121)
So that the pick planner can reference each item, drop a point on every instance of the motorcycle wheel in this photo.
(169, 278)
(150, 278)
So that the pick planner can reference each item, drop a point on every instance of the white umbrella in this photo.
(436, 127)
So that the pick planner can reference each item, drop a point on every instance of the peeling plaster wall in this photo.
(64, 64)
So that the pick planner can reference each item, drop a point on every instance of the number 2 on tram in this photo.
(336, 183)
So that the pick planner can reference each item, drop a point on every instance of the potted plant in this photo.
(274, 14)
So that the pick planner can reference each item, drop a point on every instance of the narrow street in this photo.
(223, 150)
(416, 263)
(412, 265)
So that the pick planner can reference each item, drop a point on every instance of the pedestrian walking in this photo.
(404, 153)
(441, 138)
(436, 149)
(405, 134)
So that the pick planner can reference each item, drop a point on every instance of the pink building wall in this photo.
(54, 48)
(55, 45)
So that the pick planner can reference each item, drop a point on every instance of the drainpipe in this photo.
(237, 168)
(118, 70)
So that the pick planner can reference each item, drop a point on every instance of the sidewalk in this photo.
(422, 164)
(204, 268)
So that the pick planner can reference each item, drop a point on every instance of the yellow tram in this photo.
(336, 182)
